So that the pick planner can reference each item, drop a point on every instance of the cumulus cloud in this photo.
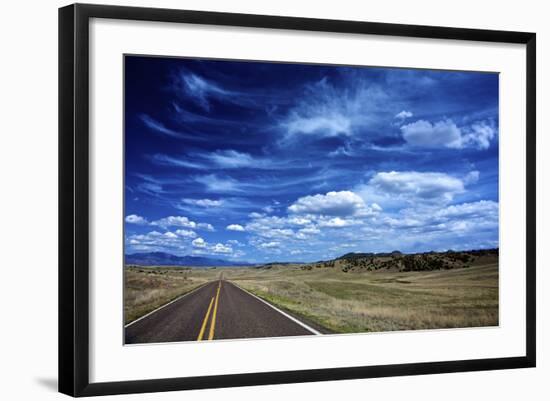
(299, 221)
(480, 209)
(186, 233)
(234, 227)
(309, 230)
(442, 134)
(221, 248)
(337, 222)
(343, 203)
(479, 134)
(135, 219)
(402, 115)
(199, 243)
(418, 185)
(454, 224)
(446, 134)
(157, 241)
(174, 221)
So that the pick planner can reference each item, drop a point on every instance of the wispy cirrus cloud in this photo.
(203, 202)
(218, 184)
(327, 110)
(224, 159)
(159, 127)
(200, 89)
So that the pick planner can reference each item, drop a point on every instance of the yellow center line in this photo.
(203, 327)
(213, 324)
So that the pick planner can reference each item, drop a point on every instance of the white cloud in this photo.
(327, 110)
(221, 248)
(203, 202)
(135, 219)
(478, 209)
(230, 158)
(199, 243)
(299, 221)
(159, 127)
(174, 221)
(186, 233)
(201, 89)
(234, 227)
(309, 230)
(418, 185)
(479, 135)
(327, 125)
(337, 222)
(343, 203)
(157, 241)
(214, 183)
(165, 160)
(205, 226)
(269, 245)
(471, 178)
(446, 134)
(473, 217)
(402, 115)
(423, 133)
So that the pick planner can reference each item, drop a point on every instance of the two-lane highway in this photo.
(217, 310)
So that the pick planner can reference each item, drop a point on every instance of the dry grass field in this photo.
(339, 300)
(147, 288)
(382, 300)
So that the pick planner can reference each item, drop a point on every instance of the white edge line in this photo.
(305, 326)
(169, 303)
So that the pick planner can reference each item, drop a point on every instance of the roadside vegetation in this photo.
(147, 288)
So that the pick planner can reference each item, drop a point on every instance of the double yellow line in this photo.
(213, 301)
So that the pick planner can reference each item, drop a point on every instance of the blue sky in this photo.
(259, 161)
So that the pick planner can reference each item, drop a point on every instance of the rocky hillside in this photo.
(408, 262)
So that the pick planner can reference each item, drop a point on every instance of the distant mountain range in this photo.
(167, 259)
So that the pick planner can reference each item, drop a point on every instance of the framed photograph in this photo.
(250, 199)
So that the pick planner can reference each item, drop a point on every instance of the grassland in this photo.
(147, 288)
(383, 300)
(342, 297)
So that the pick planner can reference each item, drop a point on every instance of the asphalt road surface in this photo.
(217, 310)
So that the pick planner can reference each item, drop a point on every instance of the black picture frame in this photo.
(74, 198)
